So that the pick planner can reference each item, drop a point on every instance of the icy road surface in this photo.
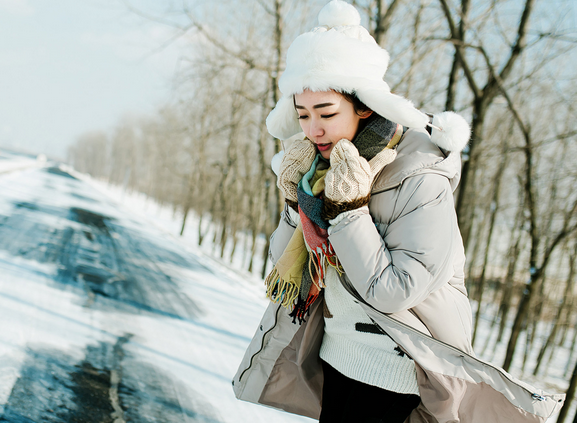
(105, 318)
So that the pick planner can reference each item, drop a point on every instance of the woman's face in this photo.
(326, 117)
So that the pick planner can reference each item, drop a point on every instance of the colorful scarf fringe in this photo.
(298, 277)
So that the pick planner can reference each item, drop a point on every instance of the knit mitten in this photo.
(297, 161)
(350, 177)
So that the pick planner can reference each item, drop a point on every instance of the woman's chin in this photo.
(326, 154)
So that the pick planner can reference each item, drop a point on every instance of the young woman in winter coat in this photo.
(369, 320)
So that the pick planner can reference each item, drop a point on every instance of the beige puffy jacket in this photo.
(403, 263)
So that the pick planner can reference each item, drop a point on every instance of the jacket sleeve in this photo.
(289, 219)
(413, 258)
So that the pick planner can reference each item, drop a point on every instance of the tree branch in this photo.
(516, 49)
(383, 19)
(249, 61)
(456, 40)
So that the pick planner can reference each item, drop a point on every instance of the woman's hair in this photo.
(358, 105)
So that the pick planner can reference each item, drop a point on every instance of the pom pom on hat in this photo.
(451, 131)
(339, 13)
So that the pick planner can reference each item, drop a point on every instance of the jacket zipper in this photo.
(261, 344)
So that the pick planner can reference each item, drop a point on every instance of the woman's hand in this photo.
(297, 161)
(348, 182)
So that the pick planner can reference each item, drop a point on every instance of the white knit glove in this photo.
(350, 177)
(297, 161)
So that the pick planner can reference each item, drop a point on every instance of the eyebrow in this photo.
(316, 106)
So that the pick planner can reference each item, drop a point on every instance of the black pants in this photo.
(351, 401)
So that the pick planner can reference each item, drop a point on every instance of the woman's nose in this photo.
(317, 129)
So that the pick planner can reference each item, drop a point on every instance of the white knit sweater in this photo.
(354, 346)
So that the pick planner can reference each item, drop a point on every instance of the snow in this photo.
(198, 355)
(11, 162)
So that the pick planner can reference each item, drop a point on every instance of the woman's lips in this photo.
(324, 147)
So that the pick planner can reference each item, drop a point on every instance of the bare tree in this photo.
(483, 91)
(537, 265)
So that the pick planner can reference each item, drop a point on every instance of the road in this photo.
(105, 318)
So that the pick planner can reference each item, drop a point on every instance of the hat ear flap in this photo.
(391, 106)
(282, 122)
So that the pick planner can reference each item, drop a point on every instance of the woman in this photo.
(370, 321)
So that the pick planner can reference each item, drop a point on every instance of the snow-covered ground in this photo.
(11, 162)
(108, 317)
(103, 305)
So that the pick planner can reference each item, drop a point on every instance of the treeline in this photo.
(507, 65)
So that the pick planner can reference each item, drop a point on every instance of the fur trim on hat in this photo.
(282, 122)
(454, 131)
(393, 107)
(339, 55)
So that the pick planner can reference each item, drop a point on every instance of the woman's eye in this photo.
(303, 116)
(328, 116)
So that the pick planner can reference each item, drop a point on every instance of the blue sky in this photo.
(71, 66)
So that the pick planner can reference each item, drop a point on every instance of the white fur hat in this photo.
(340, 55)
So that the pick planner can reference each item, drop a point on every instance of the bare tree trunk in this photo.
(234, 243)
(555, 324)
(529, 336)
(201, 234)
(383, 19)
(483, 98)
(566, 321)
(224, 233)
(252, 251)
(493, 215)
(533, 318)
(415, 56)
(185, 215)
(489, 339)
(522, 309)
(569, 399)
(514, 253)
(452, 85)
(465, 205)
(472, 258)
(217, 228)
(265, 256)
(188, 200)
(571, 351)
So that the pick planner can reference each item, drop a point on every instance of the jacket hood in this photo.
(418, 154)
